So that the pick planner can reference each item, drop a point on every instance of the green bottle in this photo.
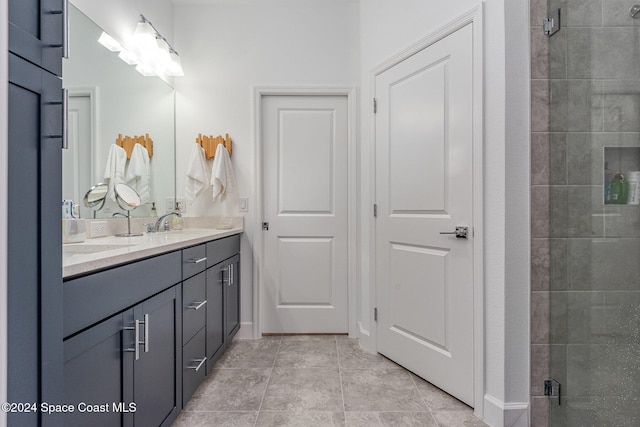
(619, 190)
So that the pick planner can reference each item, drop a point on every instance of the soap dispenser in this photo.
(619, 190)
(176, 221)
(154, 212)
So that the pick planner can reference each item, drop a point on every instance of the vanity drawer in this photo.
(221, 249)
(92, 298)
(194, 305)
(194, 260)
(194, 360)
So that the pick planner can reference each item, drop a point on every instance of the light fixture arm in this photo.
(158, 35)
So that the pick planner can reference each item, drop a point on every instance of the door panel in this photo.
(424, 182)
(305, 187)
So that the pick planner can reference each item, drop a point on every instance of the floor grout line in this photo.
(415, 384)
(273, 365)
(344, 405)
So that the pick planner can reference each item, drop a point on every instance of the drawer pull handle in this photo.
(196, 260)
(197, 305)
(196, 368)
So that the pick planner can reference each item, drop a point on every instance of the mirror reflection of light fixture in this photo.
(149, 51)
(109, 42)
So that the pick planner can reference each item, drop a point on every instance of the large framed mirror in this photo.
(108, 98)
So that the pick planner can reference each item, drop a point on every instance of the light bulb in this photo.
(128, 57)
(144, 36)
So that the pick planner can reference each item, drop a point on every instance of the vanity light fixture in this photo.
(149, 51)
(109, 42)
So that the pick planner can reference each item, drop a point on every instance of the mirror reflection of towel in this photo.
(197, 174)
(114, 170)
(222, 178)
(138, 172)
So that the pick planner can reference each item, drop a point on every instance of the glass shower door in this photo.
(594, 214)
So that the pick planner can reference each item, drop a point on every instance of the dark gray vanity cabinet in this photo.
(34, 251)
(123, 330)
(36, 32)
(135, 384)
(223, 295)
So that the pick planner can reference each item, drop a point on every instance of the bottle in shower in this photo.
(618, 190)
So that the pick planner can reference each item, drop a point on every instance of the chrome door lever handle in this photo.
(460, 232)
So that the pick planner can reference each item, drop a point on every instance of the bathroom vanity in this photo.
(145, 319)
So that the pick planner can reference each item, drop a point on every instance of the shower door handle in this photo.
(461, 232)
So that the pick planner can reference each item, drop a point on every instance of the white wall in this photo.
(227, 48)
(505, 206)
(4, 170)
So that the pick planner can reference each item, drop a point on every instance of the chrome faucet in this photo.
(162, 219)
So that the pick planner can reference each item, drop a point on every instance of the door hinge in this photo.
(551, 25)
(552, 389)
(375, 106)
(375, 314)
(375, 210)
(265, 226)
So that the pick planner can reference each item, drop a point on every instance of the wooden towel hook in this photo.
(210, 144)
(128, 142)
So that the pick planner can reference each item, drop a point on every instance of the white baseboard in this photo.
(245, 332)
(500, 414)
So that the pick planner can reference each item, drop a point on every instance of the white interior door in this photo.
(424, 186)
(76, 161)
(305, 203)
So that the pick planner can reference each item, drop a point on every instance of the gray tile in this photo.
(585, 317)
(602, 53)
(319, 353)
(272, 337)
(315, 389)
(583, 209)
(576, 105)
(539, 317)
(457, 419)
(583, 162)
(583, 13)
(548, 264)
(540, 219)
(622, 316)
(539, 412)
(558, 317)
(351, 356)
(538, 12)
(603, 264)
(230, 390)
(436, 399)
(218, 419)
(380, 390)
(540, 356)
(540, 105)
(390, 419)
(557, 55)
(300, 418)
(615, 13)
(539, 54)
(249, 354)
(548, 158)
(621, 105)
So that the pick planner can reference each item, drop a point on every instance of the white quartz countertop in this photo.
(105, 252)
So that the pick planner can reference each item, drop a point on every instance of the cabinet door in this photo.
(36, 30)
(34, 240)
(93, 373)
(232, 298)
(154, 386)
(215, 313)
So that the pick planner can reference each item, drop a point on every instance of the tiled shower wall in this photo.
(585, 284)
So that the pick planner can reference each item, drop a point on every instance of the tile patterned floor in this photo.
(313, 381)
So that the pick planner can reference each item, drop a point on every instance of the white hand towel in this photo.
(138, 175)
(197, 173)
(222, 178)
(114, 170)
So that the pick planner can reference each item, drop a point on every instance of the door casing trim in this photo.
(472, 17)
(258, 265)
